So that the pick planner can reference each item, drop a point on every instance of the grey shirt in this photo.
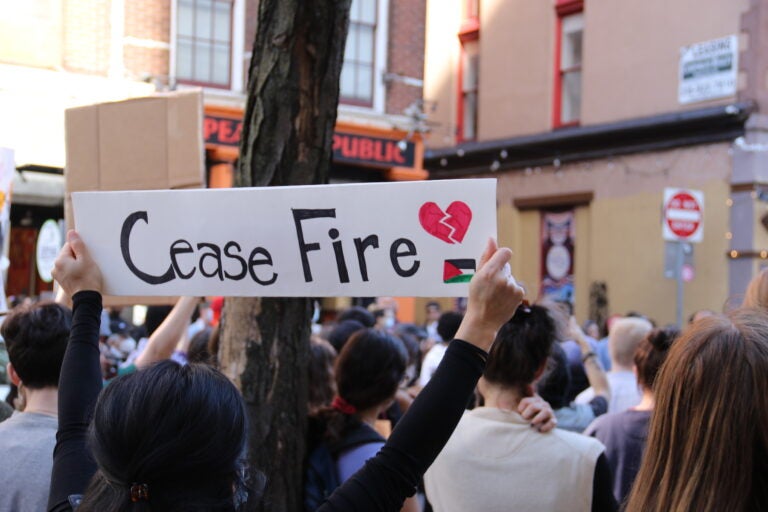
(26, 457)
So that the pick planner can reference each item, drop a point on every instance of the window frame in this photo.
(469, 33)
(236, 51)
(357, 102)
(564, 8)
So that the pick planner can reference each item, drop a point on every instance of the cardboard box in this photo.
(149, 143)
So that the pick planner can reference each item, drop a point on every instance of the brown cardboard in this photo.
(149, 143)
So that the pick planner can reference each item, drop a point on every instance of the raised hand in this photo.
(494, 295)
(74, 269)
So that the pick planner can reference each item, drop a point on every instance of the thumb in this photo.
(76, 243)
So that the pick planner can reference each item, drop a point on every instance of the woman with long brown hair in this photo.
(708, 438)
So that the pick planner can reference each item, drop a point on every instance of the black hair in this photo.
(181, 430)
(321, 384)
(448, 324)
(340, 334)
(155, 316)
(411, 335)
(432, 304)
(368, 371)
(36, 337)
(554, 386)
(522, 346)
(359, 314)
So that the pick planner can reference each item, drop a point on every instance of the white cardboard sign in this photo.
(708, 70)
(418, 239)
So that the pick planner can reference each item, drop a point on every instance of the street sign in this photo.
(683, 215)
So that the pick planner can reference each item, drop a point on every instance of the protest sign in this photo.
(418, 239)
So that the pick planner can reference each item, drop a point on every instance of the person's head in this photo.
(554, 386)
(591, 329)
(340, 334)
(651, 354)
(519, 354)
(708, 436)
(321, 384)
(198, 347)
(358, 314)
(756, 295)
(448, 325)
(370, 368)
(36, 337)
(179, 430)
(698, 315)
(624, 338)
(432, 310)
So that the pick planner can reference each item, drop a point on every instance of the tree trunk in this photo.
(293, 90)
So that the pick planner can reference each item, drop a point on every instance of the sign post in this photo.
(682, 225)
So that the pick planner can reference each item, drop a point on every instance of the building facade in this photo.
(56, 54)
(586, 112)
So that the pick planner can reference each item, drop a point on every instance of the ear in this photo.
(540, 371)
(15, 379)
(482, 387)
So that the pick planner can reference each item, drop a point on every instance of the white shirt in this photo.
(495, 462)
(624, 392)
(431, 361)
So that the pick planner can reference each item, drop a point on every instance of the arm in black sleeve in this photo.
(388, 479)
(602, 487)
(79, 385)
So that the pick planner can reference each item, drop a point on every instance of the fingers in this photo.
(490, 248)
(76, 243)
(497, 261)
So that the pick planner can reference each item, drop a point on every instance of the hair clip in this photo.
(525, 306)
(139, 492)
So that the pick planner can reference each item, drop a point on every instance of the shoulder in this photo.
(585, 446)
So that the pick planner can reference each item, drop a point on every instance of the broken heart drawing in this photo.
(450, 225)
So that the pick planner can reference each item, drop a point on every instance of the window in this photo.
(469, 72)
(357, 72)
(204, 42)
(570, 31)
(468, 107)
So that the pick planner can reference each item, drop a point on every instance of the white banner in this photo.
(359, 240)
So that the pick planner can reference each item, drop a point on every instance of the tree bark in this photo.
(293, 90)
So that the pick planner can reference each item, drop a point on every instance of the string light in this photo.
(729, 202)
(734, 254)
(728, 235)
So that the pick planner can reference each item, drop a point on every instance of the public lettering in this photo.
(395, 254)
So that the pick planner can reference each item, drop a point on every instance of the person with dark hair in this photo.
(36, 337)
(554, 386)
(447, 326)
(494, 460)
(197, 351)
(359, 314)
(707, 446)
(341, 333)
(368, 372)
(624, 433)
(322, 387)
(432, 312)
(206, 473)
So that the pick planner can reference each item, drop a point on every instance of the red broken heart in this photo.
(450, 225)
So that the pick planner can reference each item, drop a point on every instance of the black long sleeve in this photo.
(602, 487)
(385, 481)
(79, 386)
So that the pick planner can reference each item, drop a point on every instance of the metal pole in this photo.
(679, 276)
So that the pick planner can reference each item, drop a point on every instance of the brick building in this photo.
(585, 111)
(56, 54)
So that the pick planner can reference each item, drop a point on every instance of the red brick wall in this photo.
(86, 36)
(150, 21)
(405, 55)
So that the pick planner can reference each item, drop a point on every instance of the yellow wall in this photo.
(618, 236)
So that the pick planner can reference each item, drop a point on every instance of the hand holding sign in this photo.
(494, 295)
(74, 269)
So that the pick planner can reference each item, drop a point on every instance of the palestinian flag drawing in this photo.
(458, 271)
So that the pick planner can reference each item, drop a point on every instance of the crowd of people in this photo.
(505, 405)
